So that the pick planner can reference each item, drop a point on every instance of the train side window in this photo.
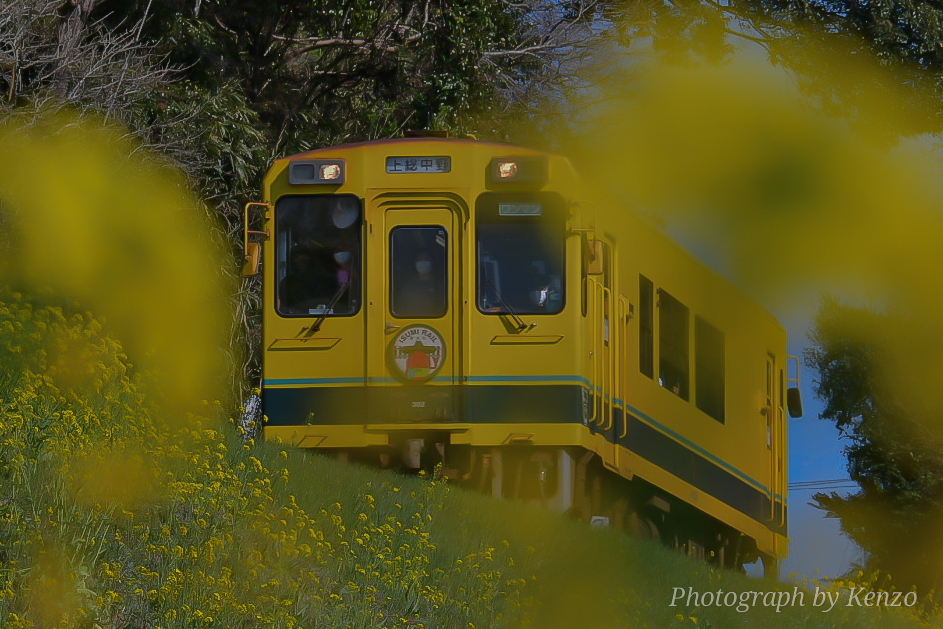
(318, 255)
(646, 328)
(673, 345)
(418, 272)
(709, 363)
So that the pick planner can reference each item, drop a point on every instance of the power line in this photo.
(835, 483)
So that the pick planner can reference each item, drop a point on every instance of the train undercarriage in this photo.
(573, 481)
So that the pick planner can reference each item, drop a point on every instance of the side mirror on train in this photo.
(250, 261)
(794, 402)
(251, 251)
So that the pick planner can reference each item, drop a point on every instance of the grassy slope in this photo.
(113, 515)
(579, 577)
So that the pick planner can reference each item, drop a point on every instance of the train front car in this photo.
(414, 303)
(458, 303)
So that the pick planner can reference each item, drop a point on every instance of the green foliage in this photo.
(322, 73)
(906, 29)
(893, 453)
(112, 516)
(223, 137)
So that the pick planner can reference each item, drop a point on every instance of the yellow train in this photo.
(433, 301)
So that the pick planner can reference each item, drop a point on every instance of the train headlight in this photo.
(330, 172)
(523, 169)
(319, 171)
(506, 170)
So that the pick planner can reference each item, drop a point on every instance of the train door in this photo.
(607, 338)
(413, 333)
(775, 437)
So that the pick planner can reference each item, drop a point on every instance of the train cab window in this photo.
(419, 272)
(709, 369)
(520, 253)
(646, 328)
(673, 345)
(318, 255)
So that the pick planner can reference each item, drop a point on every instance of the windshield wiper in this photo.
(520, 323)
(316, 327)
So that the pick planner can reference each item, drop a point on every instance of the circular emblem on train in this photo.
(417, 353)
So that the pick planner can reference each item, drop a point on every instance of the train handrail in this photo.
(789, 380)
(606, 295)
(623, 371)
(591, 298)
(770, 411)
(782, 476)
(773, 438)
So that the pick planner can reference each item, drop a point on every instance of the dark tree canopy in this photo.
(317, 73)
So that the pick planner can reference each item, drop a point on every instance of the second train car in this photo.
(433, 301)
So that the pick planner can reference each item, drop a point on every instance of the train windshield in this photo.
(520, 253)
(318, 255)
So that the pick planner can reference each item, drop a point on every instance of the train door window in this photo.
(673, 345)
(520, 249)
(646, 329)
(318, 255)
(709, 369)
(419, 272)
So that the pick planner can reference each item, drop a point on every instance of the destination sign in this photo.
(420, 164)
(520, 209)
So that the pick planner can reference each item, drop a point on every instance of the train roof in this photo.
(409, 141)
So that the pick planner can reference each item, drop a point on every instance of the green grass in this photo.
(114, 515)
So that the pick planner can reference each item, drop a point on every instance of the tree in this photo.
(826, 46)
(319, 73)
(894, 452)
(57, 57)
(51, 60)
